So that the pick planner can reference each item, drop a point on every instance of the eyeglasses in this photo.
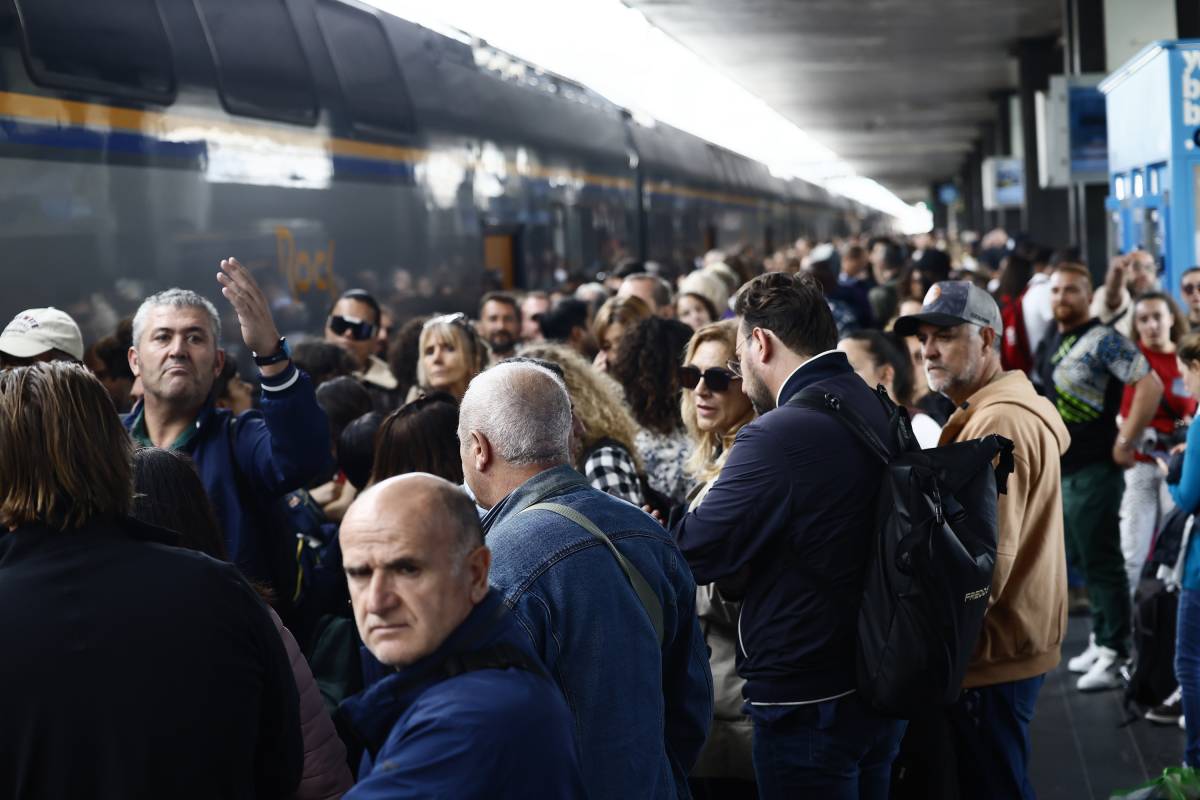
(735, 364)
(360, 330)
(1190, 288)
(715, 378)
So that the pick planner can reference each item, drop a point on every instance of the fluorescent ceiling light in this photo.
(614, 50)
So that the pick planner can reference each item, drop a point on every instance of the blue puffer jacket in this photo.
(282, 448)
(642, 710)
(488, 733)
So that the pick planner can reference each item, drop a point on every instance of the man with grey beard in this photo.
(959, 328)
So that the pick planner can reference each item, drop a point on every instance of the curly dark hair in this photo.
(791, 307)
(405, 352)
(646, 365)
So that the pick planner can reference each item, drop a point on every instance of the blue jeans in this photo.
(836, 750)
(991, 728)
(1187, 669)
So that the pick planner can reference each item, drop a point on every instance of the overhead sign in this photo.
(1003, 182)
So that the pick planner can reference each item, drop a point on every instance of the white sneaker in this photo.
(1084, 661)
(1103, 673)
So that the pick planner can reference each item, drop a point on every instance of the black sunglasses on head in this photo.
(715, 378)
(360, 330)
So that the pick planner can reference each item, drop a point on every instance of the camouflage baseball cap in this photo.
(951, 303)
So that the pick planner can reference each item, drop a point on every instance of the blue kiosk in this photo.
(1153, 104)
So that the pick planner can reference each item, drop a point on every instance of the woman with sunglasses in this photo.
(452, 353)
(714, 409)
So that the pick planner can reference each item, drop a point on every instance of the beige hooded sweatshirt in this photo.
(1027, 611)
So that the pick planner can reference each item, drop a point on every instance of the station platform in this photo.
(1080, 750)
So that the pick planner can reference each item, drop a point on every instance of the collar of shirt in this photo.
(141, 436)
(783, 385)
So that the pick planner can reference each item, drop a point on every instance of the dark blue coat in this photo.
(283, 447)
(794, 505)
(489, 733)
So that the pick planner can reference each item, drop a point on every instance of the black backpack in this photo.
(929, 574)
(1154, 619)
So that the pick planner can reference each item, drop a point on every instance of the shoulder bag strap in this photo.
(645, 594)
(831, 404)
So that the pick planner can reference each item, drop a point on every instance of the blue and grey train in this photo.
(329, 145)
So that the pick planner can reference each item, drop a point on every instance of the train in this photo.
(330, 145)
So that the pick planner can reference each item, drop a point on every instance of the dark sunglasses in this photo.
(1190, 288)
(360, 330)
(715, 378)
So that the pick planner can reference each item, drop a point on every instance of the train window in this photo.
(117, 49)
(261, 67)
(366, 68)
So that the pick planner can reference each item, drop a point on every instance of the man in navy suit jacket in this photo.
(789, 524)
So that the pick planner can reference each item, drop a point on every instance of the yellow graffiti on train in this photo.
(305, 271)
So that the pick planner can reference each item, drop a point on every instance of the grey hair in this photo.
(997, 340)
(523, 410)
(176, 298)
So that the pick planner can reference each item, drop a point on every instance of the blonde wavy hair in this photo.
(598, 400)
(711, 450)
(627, 311)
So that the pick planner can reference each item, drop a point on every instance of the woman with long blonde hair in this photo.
(714, 409)
(451, 354)
(606, 452)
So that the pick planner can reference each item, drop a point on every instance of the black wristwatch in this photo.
(282, 353)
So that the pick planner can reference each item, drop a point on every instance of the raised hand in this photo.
(254, 313)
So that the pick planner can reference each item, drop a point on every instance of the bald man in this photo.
(465, 708)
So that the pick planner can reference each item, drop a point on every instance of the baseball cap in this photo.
(36, 330)
(950, 303)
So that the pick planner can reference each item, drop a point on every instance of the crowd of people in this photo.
(580, 543)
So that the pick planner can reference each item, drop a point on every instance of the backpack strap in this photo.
(831, 404)
(646, 595)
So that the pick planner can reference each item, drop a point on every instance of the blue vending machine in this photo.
(1153, 104)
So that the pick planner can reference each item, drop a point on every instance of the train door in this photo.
(502, 255)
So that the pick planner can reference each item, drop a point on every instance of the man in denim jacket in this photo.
(642, 700)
